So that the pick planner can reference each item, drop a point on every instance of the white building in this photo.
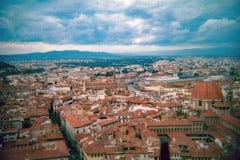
(98, 95)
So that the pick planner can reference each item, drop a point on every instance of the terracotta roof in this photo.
(81, 136)
(108, 122)
(209, 113)
(138, 100)
(207, 91)
(231, 120)
(37, 112)
(220, 105)
(178, 135)
(94, 149)
(174, 150)
(58, 150)
(53, 136)
(14, 153)
(195, 119)
(170, 123)
(77, 122)
(147, 133)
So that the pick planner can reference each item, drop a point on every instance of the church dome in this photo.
(206, 90)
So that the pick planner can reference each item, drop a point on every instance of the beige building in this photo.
(204, 94)
(220, 108)
(230, 122)
(163, 127)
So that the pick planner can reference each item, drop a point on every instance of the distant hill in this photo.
(73, 54)
(56, 55)
(4, 65)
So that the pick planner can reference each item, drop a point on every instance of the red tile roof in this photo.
(169, 123)
(108, 122)
(231, 120)
(147, 134)
(76, 122)
(81, 136)
(220, 105)
(53, 136)
(94, 149)
(195, 119)
(58, 150)
(207, 91)
(138, 100)
(209, 113)
(38, 112)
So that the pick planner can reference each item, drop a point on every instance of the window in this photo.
(199, 103)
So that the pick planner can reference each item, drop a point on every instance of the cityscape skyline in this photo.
(119, 80)
(108, 108)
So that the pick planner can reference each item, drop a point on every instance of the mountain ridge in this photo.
(75, 54)
(56, 55)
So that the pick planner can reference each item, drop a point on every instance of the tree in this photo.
(109, 74)
(196, 75)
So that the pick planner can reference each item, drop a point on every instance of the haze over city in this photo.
(119, 80)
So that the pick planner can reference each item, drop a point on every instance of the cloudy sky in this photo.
(118, 26)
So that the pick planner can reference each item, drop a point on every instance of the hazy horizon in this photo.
(118, 26)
